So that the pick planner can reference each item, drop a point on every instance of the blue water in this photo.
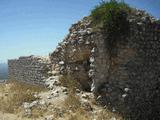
(3, 71)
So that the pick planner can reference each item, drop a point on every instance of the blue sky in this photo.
(30, 27)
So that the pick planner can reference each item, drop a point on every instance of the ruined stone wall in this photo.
(73, 54)
(128, 79)
(30, 69)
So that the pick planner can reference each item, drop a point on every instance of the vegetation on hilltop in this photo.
(111, 18)
(158, 21)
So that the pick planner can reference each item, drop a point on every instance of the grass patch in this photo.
(105, 114)
(77, 112)
(38, 112)
(72, 101)
(111, 18)
(69, 82)
(15, 93)
(79, 115)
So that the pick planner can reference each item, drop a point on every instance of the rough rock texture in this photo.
(72, 55)
(127, 79)
(29, 69)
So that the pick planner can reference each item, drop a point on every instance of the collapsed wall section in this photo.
(73, 54)
(127, 79)
(29, 69)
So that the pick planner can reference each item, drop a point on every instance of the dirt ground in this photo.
(7, 116)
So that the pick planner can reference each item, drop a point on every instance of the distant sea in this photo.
(3, 71)
(3, 76)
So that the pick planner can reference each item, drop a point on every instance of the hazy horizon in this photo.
(3, 71)
(35, 27)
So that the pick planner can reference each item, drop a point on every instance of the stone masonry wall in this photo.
(30, 69)
(127, 81)
(73, 54)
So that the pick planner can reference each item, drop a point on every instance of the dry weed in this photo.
(15, 93)
(106, 114)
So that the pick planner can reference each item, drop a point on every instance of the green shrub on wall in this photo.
(158, 21)
(111, 17)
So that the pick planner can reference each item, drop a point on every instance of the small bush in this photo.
(111, 17)
(158, 21)
(69, 82)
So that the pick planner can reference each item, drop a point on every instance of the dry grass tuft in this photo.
(74, 109)
(78, 115)
(38, 112)
(72, 102)
(105, 114)
(15, 93)
(69, 82)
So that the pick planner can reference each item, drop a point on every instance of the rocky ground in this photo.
(54, 103)
(59, 103)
